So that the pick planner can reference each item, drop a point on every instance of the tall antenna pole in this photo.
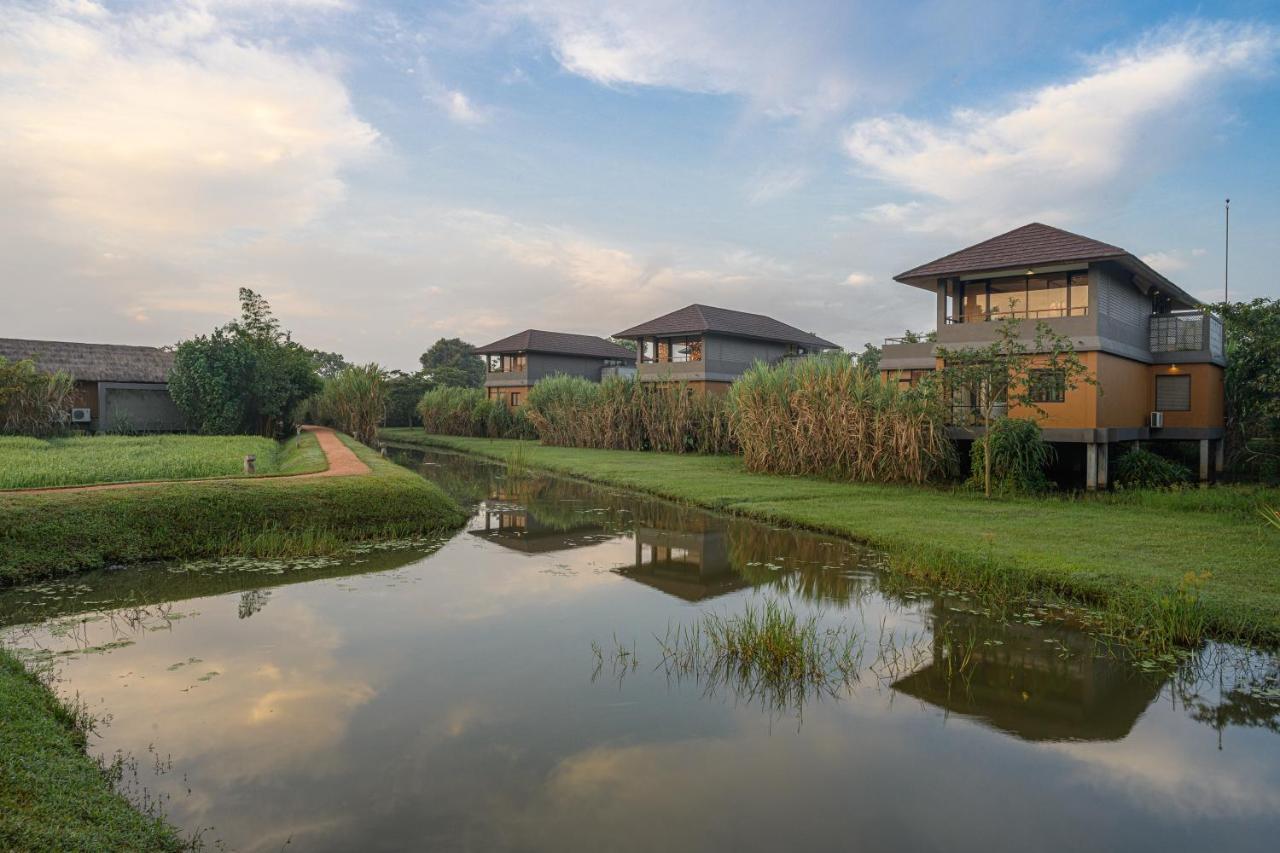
(1226, 258)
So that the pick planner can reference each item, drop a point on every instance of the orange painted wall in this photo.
(503, 393)
(1208, 395)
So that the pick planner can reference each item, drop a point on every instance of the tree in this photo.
(1009, 372)
(1253, 380)
(404, 390)
(245, 377)
(327, 364)
(869, 358)
(453, 362)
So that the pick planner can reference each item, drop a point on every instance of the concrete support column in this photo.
(1220, 457)
(1091, 467)
(1104, 460)
(1206, 464)
(942, 304)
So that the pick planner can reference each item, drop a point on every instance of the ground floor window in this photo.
(1173, 393)
(1048, 386)
(515, 399)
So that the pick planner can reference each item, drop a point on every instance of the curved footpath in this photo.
(342, 462)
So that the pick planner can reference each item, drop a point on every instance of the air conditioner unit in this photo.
(1156, 420)
(81, 416)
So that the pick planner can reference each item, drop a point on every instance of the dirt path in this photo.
(342, 460)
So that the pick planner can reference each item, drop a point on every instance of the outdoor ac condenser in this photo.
(81, 416)
(1157, 420)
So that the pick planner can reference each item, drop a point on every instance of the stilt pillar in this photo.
(1104, 460)
(1206, 461)
(1091, 467)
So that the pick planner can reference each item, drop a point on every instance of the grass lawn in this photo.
(1126, 552)
(47, 534)
(82, 460)
(52, 795)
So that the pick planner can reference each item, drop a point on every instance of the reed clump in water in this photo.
(627, 414)
(828, 416)
(355, 401)
(770, 653)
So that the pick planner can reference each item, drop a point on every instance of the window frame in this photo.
(1173, 376)
(1048, 385)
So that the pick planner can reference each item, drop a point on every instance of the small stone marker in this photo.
(249, 464)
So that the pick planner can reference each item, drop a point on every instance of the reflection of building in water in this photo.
(1027, 687)
(692, 565)
(520, 530)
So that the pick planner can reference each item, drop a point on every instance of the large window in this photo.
(1035, 297)
(1173, 393)
(1048, 386)
(505, 363)
(672, 350)
(648, 353)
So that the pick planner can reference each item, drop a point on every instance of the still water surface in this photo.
(446, 694)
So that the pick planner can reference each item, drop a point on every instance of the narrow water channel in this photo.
(503, 688)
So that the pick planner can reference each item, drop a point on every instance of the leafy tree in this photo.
(625, 343)
(404, 390)
(245, 377)
(1253, 381)
(869, 358)
(327, 364)
(453, 363)
(1006, 373)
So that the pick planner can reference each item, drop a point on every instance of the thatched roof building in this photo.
(93, 362)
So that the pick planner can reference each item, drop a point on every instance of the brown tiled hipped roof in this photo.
(696, 319)
(1022, 247)
(93, 362)
(558, 343)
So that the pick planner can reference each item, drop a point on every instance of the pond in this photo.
(504, 688)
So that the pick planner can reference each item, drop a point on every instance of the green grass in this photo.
(52, 795)
(83, 460)
(51, 534)
(1129, 553)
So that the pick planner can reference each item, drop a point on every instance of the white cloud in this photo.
(142, 128)
(460, 108)
(859, 279)
(786, 60)
(777, 183)
(1063, 148)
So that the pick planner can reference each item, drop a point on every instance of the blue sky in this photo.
(388, 173)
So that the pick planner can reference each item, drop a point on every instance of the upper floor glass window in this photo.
(507, 363)
(1034, 297)
(676, 350)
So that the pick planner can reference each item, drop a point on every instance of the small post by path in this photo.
(250, 466)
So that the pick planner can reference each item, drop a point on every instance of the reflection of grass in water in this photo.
(770, 653)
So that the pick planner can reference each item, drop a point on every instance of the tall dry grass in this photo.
(355, 401)
(31, 402)
(627, 414)
(468, 412)
(828, 416)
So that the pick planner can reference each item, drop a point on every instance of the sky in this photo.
(389, 173)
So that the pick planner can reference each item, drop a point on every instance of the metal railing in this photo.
(1185, 331)
(1022, 314)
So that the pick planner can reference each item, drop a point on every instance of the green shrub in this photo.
(828, 416)
(451, 411)
(1019, 456)
(1142, 469)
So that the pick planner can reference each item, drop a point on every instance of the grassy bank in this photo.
(52, 795)
(55, 533)
(83, 460)
(1128, 553)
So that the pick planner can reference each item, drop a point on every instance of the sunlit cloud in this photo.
(1063, 148)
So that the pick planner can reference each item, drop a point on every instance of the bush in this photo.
(627, 414)
(1142, 469)
(1019, 456)
(451, 411)
(355, 401)
(31, 402)
(247, 377)
(827, 416)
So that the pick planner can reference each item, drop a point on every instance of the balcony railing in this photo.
(1186, 331)
(1021, 314)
